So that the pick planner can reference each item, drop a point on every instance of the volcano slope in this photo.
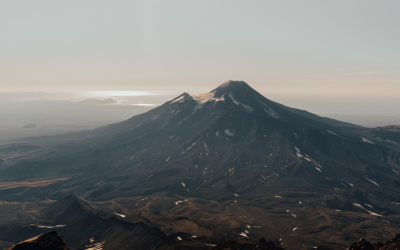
(229, 163)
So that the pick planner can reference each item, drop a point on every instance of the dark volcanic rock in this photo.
(322, 248)
(358, 195)
(391, 133)
(390, 245)
(236, 244)
(47, 241)
(363, 244)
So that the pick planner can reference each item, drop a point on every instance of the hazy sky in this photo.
(309, 54)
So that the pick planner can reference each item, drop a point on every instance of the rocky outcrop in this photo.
(236, 244)
(52, 241)
(363, 244)
(47, 241)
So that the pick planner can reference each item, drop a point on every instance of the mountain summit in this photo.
(239, 95)
(234, 94)
(233, 87)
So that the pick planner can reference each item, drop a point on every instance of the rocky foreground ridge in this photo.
(52, 241)
(366, 245)
(362, 244)
(47, 241)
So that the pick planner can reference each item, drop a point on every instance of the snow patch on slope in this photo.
(367, 141)
(51, 226)
(272, 113)
(244, 234)
(95, 246)
(333, 133)
(120, 215)
(308, 158)
(372, 181)
(358, 205)
(203, 98)
(372, 213)
(229, 133)
(247, 107)
(269, 111)
(177, 202)
(184, 150)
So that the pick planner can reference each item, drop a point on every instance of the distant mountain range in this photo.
(98, 102)
(21, 119)
(203, 168)
(369, 121)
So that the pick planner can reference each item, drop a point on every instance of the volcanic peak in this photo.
(231, 87)
(220, 93)
(235, 94)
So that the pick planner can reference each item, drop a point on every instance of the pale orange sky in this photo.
(308, 50)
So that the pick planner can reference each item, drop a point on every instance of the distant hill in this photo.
(30, 125)
(98, 102)
(369, 121)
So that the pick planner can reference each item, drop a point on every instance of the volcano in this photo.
(227, 148)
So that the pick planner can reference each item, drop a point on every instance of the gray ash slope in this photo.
(231, 140)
